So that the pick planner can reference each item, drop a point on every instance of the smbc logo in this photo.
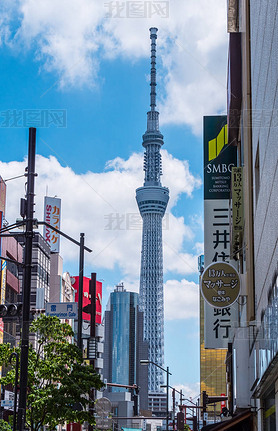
(215, 146)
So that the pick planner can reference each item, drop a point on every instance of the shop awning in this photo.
(239, 422)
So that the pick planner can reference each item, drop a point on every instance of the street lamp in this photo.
(147, 362)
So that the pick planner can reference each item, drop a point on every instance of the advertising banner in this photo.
(219, 159)
(86, 296)
(52, 215)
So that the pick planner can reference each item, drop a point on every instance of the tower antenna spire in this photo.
(152, 200)
(153, 37)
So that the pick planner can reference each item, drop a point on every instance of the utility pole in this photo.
(92, 288)
(167, 399)
(205, 401)
(174, 408)
(27, 280)
(80, 293)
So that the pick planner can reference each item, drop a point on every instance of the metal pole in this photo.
(93, 283)
(198, 413)
(15, 354)
(80, 293)
(174, 408)
(167, 400)
(27, 280)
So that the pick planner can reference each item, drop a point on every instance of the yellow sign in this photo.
(216, 144)
(220, 284)
(237, 198)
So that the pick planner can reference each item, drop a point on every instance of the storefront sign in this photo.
(220, 284)
(52, 215)
(219, 159)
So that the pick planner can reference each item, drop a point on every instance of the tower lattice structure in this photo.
(152, 200)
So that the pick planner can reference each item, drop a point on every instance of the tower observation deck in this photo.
(152, 200)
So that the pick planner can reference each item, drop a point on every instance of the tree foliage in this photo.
(59, 380)
(4, 426)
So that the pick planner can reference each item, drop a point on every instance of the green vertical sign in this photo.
(219, 158)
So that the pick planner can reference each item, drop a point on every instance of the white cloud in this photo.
(190, 391)
(181, 299)
(71, 38)
(103, 206)
(199, 247)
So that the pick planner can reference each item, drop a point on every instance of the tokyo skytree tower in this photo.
(152, 200)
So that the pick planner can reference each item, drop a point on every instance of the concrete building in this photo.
(40, 278)
(252, 359)
(124, 346)
(10, 283)
(152, 200)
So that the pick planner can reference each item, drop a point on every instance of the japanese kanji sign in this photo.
(220, 284)
(237, 198)
(219, 159)
(237, 209)
(52, 215)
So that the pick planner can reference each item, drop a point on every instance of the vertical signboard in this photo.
(2, 196)
(52, 215)
(237, 209)
(219, 159)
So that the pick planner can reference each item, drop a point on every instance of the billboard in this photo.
(86, 297)
(52, 215)
(219, 159)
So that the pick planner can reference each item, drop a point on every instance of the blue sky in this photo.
(92, 72)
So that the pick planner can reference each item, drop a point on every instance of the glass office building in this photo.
(123, 343)
(124, 309)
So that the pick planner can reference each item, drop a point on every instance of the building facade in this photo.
(257, 148)
(40, 278)
(252, 359)
(124, 346)
(10, 283)
(152, 200)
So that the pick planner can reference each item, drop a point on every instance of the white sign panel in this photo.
(63, 310)
(219, 324)
(52, 216)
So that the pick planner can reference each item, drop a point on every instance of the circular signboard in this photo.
(220, 284)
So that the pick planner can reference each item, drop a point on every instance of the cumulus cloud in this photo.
(181, 299)
(103, 206)
(190, 391)
(71, 38)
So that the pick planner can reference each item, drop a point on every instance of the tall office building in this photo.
(152, 201)
(124, 345)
